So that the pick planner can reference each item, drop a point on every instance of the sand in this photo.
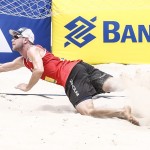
(49, 121)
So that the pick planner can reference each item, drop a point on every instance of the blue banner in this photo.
(32, 14)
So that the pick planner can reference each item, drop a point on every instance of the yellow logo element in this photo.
(50, 80)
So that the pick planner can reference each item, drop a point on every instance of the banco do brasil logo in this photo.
(80, 31)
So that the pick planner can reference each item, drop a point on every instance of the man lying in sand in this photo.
(80, 80)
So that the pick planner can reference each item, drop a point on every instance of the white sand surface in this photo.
(48, 122)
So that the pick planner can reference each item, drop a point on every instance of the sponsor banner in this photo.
(16, 15)
(100, 31)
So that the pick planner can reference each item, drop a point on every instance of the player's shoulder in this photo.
(32, 49)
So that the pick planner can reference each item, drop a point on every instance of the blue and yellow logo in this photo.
(80, 28)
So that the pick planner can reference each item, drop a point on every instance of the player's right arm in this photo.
(15, 64)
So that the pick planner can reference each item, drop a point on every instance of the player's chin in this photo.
(14, 48)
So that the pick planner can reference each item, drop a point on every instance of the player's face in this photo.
(17, 42)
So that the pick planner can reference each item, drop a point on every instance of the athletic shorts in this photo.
(84, 82)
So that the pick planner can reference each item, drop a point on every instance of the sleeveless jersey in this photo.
(55, 69)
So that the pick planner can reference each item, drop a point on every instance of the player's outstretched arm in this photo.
(15, 64)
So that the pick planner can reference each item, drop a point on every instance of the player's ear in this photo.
(25, 40)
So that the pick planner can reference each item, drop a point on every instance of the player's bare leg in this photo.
(113, 84)
(87, 108)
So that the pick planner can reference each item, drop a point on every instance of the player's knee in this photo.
(108, 85)
(87, 112)
(111, 85)
(85, 107)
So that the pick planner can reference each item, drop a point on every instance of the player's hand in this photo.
(23, 87)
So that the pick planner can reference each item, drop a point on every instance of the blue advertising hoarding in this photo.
(32, 14)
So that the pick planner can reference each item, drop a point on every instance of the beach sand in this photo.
(44, 119)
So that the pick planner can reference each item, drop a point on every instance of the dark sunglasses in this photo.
(16, 37)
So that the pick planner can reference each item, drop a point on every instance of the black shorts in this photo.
(84, 82)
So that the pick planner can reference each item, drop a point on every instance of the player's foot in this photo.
(128, 116)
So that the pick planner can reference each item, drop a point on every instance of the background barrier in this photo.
(99, 31)
(31, 14)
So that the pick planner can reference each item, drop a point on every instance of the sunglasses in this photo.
(16, 37)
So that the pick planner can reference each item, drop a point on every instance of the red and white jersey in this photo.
(55, 69)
